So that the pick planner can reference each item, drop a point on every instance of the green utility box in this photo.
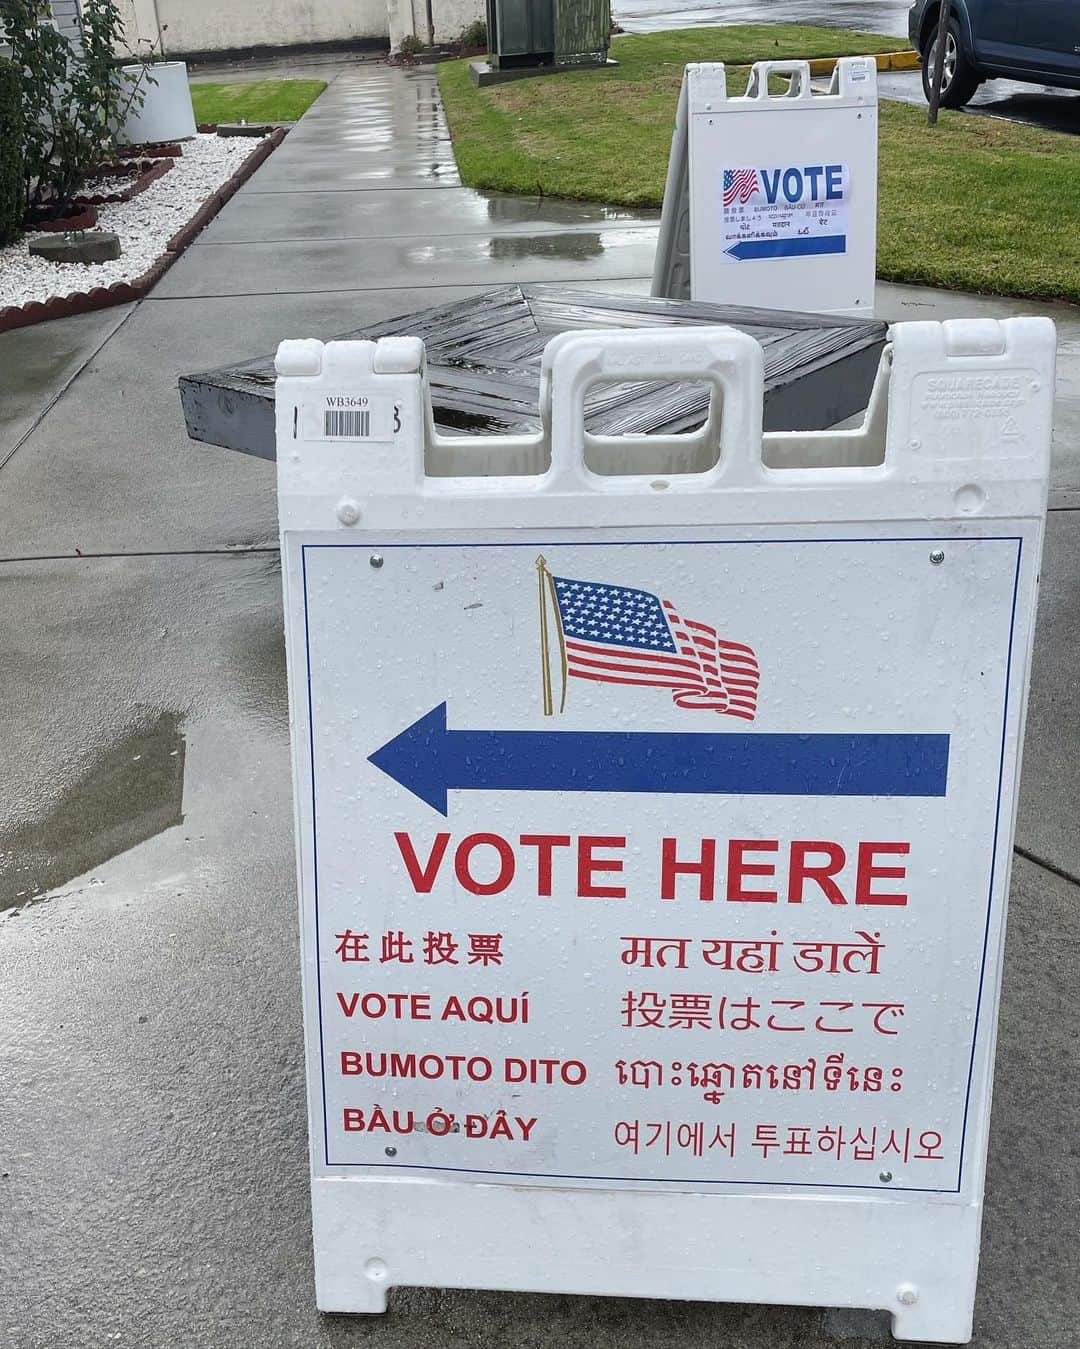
(582, 32)
(520, 33)
(539, 37)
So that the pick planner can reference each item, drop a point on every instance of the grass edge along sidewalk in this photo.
(254, 100)
(976, 203)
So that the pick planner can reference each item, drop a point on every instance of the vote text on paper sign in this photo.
(783, 212)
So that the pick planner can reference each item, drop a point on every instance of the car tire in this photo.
(959, 79)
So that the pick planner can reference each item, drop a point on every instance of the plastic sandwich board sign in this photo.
(771, 198)
(654, 806)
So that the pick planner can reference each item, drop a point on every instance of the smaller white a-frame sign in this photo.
(771, 199)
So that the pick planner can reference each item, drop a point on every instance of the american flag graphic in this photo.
(618, 635)
(739, 186)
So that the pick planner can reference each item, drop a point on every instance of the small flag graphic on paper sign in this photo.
(739, 186)
(613, 634)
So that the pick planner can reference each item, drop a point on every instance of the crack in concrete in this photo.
(1054, 870)
(239, 551)
(44, 411)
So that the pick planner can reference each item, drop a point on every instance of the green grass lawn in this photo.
(255, 100)
(975, 204)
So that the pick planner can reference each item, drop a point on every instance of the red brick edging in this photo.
(84, 218)
(124, 292)
(153, 170)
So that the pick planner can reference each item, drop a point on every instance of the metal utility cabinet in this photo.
(520, 33)
(537, 37)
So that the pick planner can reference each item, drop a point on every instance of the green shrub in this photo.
(12, 189)
(474, 35)
(72, 95)
(410, 45)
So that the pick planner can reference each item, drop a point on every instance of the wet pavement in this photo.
(1038, 105)
(866, 16)
(37, 366)
(153, 1154)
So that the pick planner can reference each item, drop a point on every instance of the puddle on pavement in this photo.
(873, 16)
(501, 210)
(569, 245)
(134, 791)
(256, 662)
(576, 246)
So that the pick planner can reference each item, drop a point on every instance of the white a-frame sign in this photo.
(654, 806)
(771, 198)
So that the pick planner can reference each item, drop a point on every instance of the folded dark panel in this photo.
(484, 357)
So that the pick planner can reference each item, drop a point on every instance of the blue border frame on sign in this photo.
(696, 1181)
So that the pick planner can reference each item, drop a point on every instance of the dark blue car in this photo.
(1036, 40)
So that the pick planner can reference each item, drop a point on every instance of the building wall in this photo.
(221, 25)
(64, 15)
(450, 17)
(67, 18)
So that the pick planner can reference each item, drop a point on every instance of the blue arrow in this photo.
(429, 760)
(789, 248)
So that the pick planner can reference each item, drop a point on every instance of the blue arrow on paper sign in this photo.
(788, 248)
(429, 760)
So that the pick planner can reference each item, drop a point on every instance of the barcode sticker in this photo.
(350, 416)
(347, 423)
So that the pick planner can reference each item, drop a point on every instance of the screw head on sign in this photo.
(348, 512)
(391, 1152)
(907, 1294)
(937, 556)
(376, 560)
(885, 1177)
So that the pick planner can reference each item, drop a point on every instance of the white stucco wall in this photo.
(217, 25)
(450, 17)
(66, 16)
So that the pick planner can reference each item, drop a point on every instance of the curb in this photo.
(125, 292)
(213, 205)
(906, 60)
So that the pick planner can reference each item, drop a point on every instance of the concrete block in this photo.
(84, 246)
(243, 128)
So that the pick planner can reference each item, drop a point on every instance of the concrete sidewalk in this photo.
(153, 1152)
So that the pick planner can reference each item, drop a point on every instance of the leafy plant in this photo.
(11, 153)
(410, 45)
(474, 35)
(74, 96)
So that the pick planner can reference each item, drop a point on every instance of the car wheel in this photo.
(958, 78)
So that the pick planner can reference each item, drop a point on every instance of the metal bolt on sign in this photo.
(626, 820)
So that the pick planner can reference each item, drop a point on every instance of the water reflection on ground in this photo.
(870, 16)
(133, 791)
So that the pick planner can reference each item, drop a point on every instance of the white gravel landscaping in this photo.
(145, 225)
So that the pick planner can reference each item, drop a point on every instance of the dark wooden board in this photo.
(483, 357)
